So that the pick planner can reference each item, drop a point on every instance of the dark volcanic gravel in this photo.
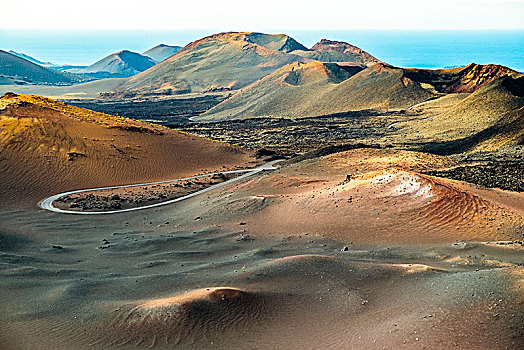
(294, 136)
(507, 175)
(161, 111)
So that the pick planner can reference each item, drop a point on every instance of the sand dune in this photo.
(358, 299)
(184, 319)
(203, 274)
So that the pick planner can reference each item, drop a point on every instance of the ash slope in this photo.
(48, 147)
(489, 119)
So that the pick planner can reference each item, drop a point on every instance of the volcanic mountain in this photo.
(31, 59)
(60, 67)
(161, 52)
(230, 61)
(17, 70)
(222, 61)
(118, 65)
(462, 79)
(487, 119)
(47, 147)
(316, 88)
(338, 51)
(292, 91)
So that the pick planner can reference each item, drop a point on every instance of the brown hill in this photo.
(464, 79)
(120, 64)
(338, 51)
(312, 89)
(229, 61)
(48, 147)
(369, 195)
(222, 61)
(161, 52)
(487, 119)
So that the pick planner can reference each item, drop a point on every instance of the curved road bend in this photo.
(47, 203)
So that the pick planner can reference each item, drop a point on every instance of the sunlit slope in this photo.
(47, 147)
(312, 89)
(487, 119)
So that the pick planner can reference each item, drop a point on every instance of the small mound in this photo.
(412, 268)
(198, 316)
(207, 294)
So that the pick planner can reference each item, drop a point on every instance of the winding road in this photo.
(47, 203)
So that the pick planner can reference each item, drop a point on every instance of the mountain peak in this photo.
(161, 52)
(355, 53)
(123, 63)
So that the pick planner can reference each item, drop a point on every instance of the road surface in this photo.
(47, 203)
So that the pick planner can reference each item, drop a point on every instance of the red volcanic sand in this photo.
(379, 203)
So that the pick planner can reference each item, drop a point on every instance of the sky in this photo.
(261, 15)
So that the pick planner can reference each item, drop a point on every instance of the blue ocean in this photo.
(424, 49)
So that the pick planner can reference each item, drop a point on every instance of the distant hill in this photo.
(17, 70)
(487, 119)
(118, 65)
(462, 79)
(316, 88)
(29, 58)
(224, 61)
(230, 61)
(47, 147)
(337, 51)
(60, 67)
(161, 52)
(293, 92)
